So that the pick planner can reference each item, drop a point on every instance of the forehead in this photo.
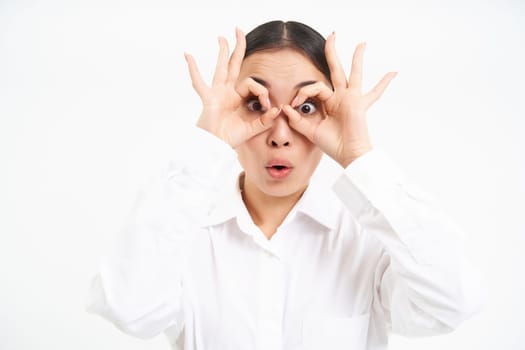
(280, 66)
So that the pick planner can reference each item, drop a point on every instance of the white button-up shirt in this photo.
(354, 260)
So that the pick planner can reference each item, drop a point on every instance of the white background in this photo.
(94, 94)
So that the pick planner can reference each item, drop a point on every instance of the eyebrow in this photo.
(298, 86)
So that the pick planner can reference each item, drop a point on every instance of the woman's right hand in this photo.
(224, 102)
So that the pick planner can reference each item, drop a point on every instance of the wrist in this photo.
(202, 124)
(356, 153)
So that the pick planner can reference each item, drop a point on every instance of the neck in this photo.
(267, 212)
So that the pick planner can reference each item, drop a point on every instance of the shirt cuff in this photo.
(202, 156)
(367, 180)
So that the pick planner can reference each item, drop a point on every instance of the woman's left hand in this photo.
(343, 132)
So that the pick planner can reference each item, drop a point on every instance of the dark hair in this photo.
(293, 35)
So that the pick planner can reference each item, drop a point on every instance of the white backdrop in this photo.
(94, 94)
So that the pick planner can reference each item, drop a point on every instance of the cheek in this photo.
(312, 153)
(315, 157)
(247, 153)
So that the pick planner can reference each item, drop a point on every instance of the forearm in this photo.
(427, 276)
(138, 285)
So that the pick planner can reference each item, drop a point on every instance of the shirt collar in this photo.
(317, 203)
(320, 204)
(227, 204)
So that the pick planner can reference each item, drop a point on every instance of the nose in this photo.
(280, 134)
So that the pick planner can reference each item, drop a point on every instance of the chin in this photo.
(283, 189)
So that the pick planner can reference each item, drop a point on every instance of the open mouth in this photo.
(279, 169)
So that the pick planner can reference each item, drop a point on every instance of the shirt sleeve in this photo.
(139, 282)
(424, 283)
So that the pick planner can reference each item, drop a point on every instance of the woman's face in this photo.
(280, 161)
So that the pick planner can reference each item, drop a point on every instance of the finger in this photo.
(337, 73)
(356, 74)
(196, 80)
(264, 122)
(319, 90)
(380, 87)
(221, 68)
(304, 126)
(237, 56)
(250, 86)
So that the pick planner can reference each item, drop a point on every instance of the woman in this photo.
(271, 259)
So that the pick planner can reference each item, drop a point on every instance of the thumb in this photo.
(302, 125)
(263, 123)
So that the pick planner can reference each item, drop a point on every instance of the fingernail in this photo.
(276, 111)
(295, 100)
(268, 103)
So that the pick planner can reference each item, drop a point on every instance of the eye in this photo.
(254, 105)
(307, 107)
